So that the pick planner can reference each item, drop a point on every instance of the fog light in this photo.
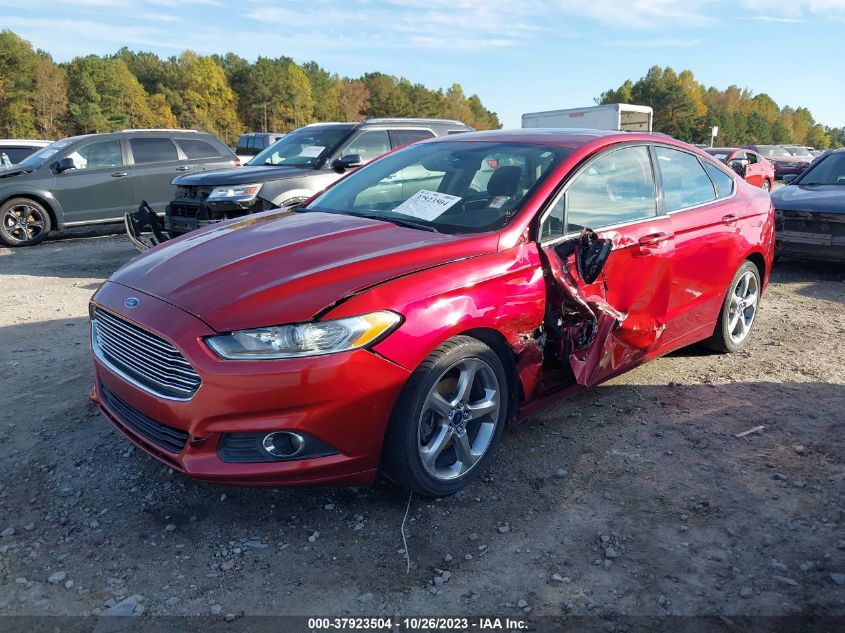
(283, 443)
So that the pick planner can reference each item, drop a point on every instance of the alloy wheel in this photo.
(458, 419)
(23, 223)
(743, 307)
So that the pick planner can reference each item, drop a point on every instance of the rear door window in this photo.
(724, 184)
(153, 150)
(194, 148)
(685, 183)
(406, 137)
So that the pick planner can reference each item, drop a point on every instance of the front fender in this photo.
(39, 194)
(501, 291)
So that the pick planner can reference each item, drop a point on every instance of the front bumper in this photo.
(341, 400)
(185, 215)
(810, 235)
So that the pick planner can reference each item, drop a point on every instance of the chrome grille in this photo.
(142, 357)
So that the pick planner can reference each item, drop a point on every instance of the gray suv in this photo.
(293, 169)
(97, 178)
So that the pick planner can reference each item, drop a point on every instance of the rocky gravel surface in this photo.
(635, 498)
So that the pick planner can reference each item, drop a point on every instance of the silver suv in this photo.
(293, 169)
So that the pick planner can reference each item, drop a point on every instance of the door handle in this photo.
(650, 243)
(729, 219)
(183, 168)
(653, 239)
(119, 174)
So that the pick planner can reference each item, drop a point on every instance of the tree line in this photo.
(686, 109)
(222, 94)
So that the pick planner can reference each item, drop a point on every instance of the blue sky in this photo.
(517, 55)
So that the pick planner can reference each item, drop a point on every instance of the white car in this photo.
(13, 151)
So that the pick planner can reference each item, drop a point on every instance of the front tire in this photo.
(739, 311)
(448, 420)
(23, 222)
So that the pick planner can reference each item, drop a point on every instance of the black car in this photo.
(291, 170)
(97, 178)
(810, 211)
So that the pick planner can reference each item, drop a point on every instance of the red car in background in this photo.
(398, 321)
(784, 162)
(748, 164)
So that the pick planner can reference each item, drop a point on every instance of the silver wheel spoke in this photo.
(463, 449)
(439, 405)
(465, 381)
(489, 405)
(432, 450)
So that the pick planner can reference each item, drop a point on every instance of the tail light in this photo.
(236, 162)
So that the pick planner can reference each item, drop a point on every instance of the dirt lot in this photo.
(635, 498)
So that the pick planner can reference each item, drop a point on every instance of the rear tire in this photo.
(23, 222)
(739, 311)
(448, 420)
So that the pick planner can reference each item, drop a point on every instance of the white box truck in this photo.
(611, 116)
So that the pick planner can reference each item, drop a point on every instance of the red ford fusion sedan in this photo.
(398, 321)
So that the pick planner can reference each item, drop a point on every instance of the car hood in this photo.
(283, 267)
(786, 159)
(814, 198)
(241, 176)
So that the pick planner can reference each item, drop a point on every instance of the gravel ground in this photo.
(634, 498)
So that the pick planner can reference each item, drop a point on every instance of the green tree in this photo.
(17, 71)
(209, 103)
(49, 97)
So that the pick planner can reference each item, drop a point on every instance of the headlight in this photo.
(305, 339)
(238, 193)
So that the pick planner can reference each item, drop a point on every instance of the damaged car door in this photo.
(607, 250)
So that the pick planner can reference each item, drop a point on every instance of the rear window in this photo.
(195, 148)
(724, 184)
(406, 137)
(685, 183)
(153, 150)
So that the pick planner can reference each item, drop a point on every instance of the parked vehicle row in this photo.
(397, 321)
(747, 163)
(810, 210)
(289, 171)
(97, 178)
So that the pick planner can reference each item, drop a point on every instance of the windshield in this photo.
(36, 160)
(303, 147)
(773, 150)
(450, 187)
(798, 151)
(827, 171)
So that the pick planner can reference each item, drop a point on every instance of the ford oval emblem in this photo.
(131, 302)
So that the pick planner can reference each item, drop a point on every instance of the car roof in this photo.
(23, 141)
(571, 138)
(147, 132)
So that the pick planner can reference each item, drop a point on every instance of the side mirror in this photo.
(591, 255)
(349, 161)
(63, 165)
(788, 178)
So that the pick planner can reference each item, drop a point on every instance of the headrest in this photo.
(504, 181)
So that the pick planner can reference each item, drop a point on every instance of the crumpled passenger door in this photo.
(615, 319)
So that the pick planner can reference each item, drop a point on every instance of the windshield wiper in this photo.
(398, 221)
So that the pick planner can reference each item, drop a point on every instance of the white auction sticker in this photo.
(311, 151)
(427, 205)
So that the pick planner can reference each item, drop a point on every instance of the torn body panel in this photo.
(614, 322)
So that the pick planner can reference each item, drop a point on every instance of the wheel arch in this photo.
(760, 262)
(45, 200)
(496, 341)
